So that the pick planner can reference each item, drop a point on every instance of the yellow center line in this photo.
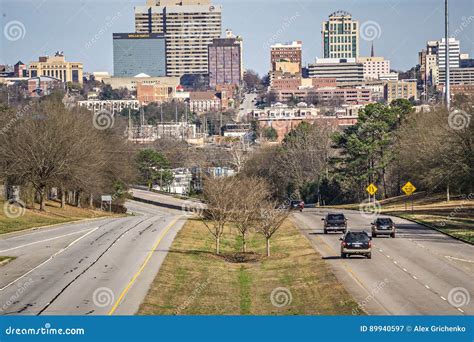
(150, 254)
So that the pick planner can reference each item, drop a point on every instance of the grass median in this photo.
(195, 281)
(34, 218)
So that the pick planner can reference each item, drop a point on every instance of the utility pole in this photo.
(446, 29)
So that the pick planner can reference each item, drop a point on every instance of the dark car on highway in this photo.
(356, 243)
(383, 226)
(335, 222)
(296, 205)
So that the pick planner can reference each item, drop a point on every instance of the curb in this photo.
(427, 225)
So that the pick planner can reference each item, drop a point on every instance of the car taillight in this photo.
(343, 244)
(370, 244)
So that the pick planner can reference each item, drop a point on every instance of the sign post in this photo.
(371, 189)
(409, 189)
(106, 200)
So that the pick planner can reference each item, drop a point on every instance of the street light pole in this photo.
(446, 30)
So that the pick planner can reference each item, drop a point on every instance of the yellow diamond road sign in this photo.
(371, 189)
(408, 188)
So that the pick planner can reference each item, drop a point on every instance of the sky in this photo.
(83, 29)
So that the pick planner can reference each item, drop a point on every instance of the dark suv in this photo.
(357, 243)
(383, 226)
(335, 222)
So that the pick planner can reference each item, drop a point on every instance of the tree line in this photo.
(45, 145)
(389, 145)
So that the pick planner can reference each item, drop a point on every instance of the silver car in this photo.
(383, 226)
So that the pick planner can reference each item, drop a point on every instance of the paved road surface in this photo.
(412, 274)
(94, 267)
(246, 107)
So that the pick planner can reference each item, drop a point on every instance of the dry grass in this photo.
(194, 281)
(53, 215)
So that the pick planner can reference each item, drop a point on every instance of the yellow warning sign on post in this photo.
(408, 188)
(371, 189)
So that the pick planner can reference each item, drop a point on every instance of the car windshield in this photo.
(384, 221)
(357, 237)
(336, 217)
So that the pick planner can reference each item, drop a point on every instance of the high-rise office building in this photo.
(454, 52)
(139, 53)
(189, 26)
(340, 36)
(286, 53)
(225, 62)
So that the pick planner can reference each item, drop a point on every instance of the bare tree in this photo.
(219, 206)
(270, 220)
(248, 195)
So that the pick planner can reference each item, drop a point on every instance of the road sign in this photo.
(408, 188)
(371, 189)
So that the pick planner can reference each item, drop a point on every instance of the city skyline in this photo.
(90, 27)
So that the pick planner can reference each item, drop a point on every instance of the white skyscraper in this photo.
(189, 27)
(454, 52)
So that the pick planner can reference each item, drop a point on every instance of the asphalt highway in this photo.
(420, 272)
(95, 267)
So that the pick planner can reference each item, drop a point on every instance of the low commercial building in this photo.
(342, 69)
(374, 67)
(20, 69)
(112, 106)
(131, 83)
(405, 89)
(156, 92)
(57, 67)
(344, 95)
(289, 52)
(283, 119)
(457, 76)
(391, 76)
(323, 82)
(43, 85)
(204, 101)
